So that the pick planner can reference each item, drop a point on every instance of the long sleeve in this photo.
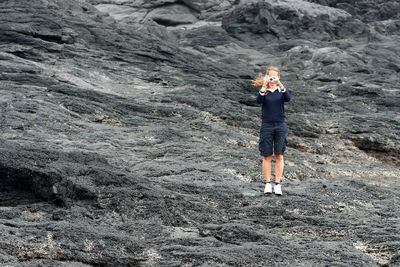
(273, 104)
(286, 95)
(260, 97)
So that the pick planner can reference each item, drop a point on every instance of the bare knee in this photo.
(267, 157)
(278, 156)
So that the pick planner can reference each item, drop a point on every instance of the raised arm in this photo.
(286, 95)
(260, 96)
(262, 92)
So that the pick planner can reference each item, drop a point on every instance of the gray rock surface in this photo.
(129, 133)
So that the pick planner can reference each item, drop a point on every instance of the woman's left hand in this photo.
(280, 84)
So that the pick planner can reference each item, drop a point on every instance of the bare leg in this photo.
(278, 167)
(266, 168)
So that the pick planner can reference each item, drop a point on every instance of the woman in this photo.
(273, 130)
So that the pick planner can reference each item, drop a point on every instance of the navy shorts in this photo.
(273, 138)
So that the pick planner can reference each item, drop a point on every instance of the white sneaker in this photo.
(268, 188)
(277, 189)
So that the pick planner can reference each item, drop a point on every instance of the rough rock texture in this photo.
(129, 133)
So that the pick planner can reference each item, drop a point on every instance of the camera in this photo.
(271, 78)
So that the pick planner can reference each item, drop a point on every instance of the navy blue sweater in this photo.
(273, 109)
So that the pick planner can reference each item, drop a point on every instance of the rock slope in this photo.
(129, 133)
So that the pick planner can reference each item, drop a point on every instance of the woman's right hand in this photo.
(264, 86)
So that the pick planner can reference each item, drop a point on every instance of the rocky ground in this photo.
(129, 133)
